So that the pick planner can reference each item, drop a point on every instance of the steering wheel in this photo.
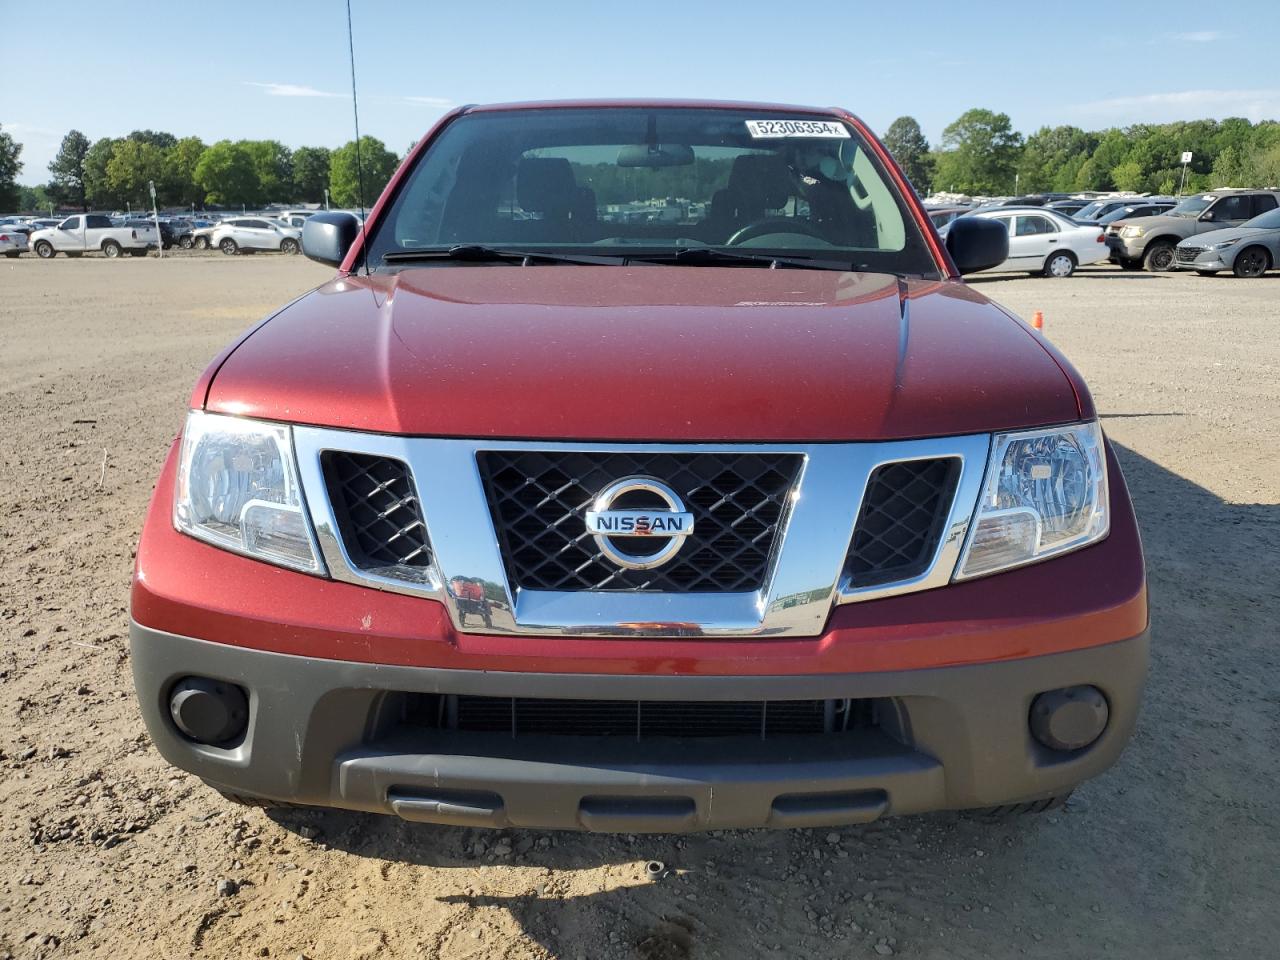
(769, 225)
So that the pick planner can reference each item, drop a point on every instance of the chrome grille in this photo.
(378, 515)
(901, 520)
(538, 501)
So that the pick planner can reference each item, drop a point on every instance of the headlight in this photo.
(1045, 493)
(1223, 244)
(1132, 232)
(238, 489)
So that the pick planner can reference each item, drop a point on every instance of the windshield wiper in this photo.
(711, 257)
(479, 253)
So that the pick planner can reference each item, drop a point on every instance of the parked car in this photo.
(1096, 209)
(92, 231)
(13, 243)
(941, 216)
(295, 218)
(565, 520)
(201, 236)
(1068, 208)
(1249, 250)
(1150, 241)
(1133, 210)
(1044, 242)
(254, 233)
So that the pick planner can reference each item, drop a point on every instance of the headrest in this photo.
(761, 178)
(545, 183)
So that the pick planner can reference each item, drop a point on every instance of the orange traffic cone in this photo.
(1037, 320)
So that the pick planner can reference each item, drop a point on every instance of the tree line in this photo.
(981, 153)
(116, 172)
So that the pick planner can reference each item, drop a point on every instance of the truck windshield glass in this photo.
(1191, 206)
(631, 182)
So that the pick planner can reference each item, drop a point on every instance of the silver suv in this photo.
(1149, 242)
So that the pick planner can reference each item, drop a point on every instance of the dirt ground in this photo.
(105, 851)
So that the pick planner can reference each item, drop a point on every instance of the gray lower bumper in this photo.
(958, 737)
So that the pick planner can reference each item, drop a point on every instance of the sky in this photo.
(278, 69)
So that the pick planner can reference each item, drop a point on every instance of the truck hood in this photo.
(649, 352)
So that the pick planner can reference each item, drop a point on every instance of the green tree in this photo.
(99, 193)
(1128, 176)
(227, 174)
(10, 167)
(980, 153)
(157, 138)
(133, 166)
(39, 198)
(67, 169)
(273, 166)
(180, 172)
(906, 141)
(1230, 169)
(378, 164)
(310, 174)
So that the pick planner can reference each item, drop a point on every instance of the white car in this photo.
(12, 242)
(255, 233)
(1044, 242)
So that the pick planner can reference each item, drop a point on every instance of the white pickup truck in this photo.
(92, 231)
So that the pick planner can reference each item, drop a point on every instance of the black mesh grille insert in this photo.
(377, 510)
(901, 520)
(637, 719)
(539, 502)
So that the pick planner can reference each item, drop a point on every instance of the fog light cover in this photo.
(1070, 718)
(209, 711)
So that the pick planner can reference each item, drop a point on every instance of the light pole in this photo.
(326, 198)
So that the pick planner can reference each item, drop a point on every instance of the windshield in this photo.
(631, 182)
(1089, 210)
(1265, 221)
(1190, 207)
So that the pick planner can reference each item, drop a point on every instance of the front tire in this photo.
(1251, 262)
(1158, 258)
(289, 246)
(229, 246)
(44, 250)
(1011, 810)
(111, 249)
(185, 243)
(201, 243)
(1060, 265)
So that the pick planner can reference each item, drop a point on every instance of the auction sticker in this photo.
(773, 129)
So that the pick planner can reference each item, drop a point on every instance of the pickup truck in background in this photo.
(85, 232)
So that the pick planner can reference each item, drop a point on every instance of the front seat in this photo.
(758, 183)
(545, 187)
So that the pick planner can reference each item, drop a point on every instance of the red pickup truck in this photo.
(646, 466)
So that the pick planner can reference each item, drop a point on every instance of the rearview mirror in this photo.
(655, 155)
(326, 237)
(977, 244)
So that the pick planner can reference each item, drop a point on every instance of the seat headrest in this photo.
(761, 178)
(545, 184)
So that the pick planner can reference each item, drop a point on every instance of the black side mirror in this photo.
(326, 237)
(976, 243)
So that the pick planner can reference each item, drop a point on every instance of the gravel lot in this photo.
(106, 851)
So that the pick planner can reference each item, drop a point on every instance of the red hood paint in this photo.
(670, 353)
